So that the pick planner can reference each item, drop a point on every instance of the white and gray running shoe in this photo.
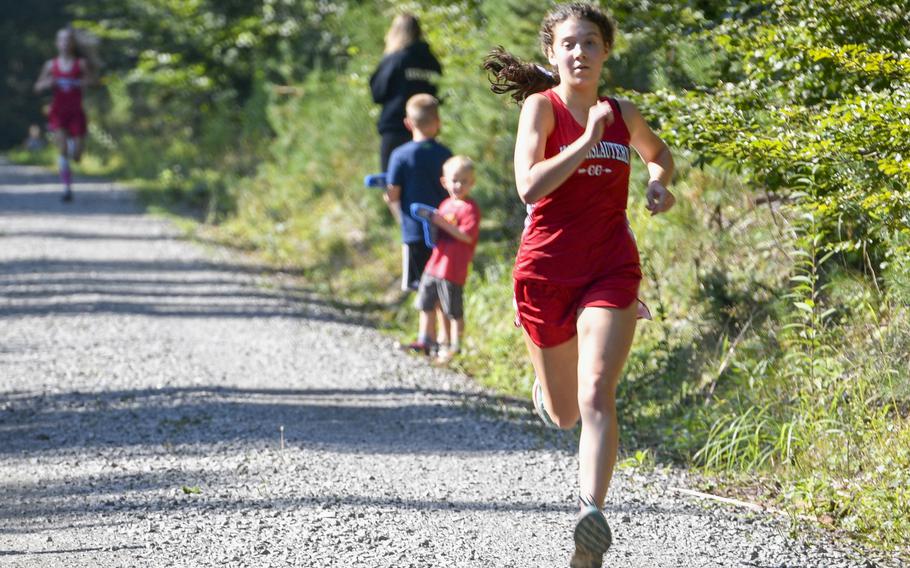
(592, 536)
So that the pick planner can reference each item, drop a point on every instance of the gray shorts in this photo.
(449, 296)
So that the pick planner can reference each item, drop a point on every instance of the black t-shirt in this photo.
(400, 76)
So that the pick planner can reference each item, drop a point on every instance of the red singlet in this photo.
(66, 108)
(577, 248)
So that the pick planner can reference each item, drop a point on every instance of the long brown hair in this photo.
(404, 31)
(509, 73)
(85, 45)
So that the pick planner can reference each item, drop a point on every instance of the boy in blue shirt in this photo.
(414, 176)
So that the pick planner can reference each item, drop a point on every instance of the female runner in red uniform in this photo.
(66, 74)
(577, 272)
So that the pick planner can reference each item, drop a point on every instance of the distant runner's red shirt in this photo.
(579, 233)
(451, 258)
(67, 87)
(66, 108)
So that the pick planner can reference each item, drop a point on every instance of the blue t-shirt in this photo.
(416, 167)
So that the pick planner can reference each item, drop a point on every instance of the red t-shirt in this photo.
(451, 258)
(579, 232)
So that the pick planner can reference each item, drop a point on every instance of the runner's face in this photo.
(65, 42)
(578, 51)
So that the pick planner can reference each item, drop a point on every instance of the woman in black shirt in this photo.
(407, 68)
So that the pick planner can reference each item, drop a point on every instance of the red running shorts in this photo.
(548, 312)
(72, 121)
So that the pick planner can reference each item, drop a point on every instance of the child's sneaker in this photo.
(416, 347)
(592, 536)
(445, 356)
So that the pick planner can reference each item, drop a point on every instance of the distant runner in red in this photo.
(577, 272)
(66, 75)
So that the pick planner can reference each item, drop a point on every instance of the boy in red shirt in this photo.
(458, 219)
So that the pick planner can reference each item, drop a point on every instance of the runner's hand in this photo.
(599, 116)
(659, 198)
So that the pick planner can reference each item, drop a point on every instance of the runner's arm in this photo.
(656, 155)
(536, 177)
(45, 79)
(90, 76)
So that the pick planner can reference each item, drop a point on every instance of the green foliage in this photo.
(817, 103)
(26, 42)
(199, 75)
(812, 113)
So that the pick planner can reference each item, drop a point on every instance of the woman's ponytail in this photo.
(510, 74)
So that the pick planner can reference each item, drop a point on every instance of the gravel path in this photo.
(144, 382)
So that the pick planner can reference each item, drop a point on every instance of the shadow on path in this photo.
(93, 550)
(62, 281)
(209, 501)
(177, 423)
(84, 236)
(161, 288)
(44, 199)
(368, 421)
